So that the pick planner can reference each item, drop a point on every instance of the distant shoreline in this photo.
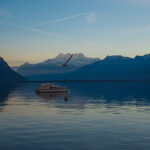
(41, 81)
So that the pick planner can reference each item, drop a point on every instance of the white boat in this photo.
(51, 88)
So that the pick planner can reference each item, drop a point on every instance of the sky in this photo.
(35, 30)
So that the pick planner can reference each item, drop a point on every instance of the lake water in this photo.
(96, 116)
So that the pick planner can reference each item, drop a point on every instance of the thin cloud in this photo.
(24, 14)
(91, 18)
(144, 29)
(140, 1)
(5, 13)
(141, 30)
(89, 43)
(143, 2)
(62, 19)
(129, 32)
(36, 30)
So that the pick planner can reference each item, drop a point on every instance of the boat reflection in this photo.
(52, 96)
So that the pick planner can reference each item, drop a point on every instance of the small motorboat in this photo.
(52, 88)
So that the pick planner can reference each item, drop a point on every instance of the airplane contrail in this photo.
(62, 19)
(36, 30)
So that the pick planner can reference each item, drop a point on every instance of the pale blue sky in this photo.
(35, 30)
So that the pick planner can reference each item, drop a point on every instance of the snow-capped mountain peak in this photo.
(54, 65)
(77, 59)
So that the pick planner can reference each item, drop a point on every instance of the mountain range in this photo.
(110, 68)
(7, 75)
(54, 66)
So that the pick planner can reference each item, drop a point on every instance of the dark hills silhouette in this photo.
(110, 68)
(7, 75)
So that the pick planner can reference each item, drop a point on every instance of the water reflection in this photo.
(86, 94)
(4, 94)
(112, 92)
(108, 95)
(104, 115)
(53, 96)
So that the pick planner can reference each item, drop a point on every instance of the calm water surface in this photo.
(96, 116)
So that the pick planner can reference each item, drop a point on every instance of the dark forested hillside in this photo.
(7, 75)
